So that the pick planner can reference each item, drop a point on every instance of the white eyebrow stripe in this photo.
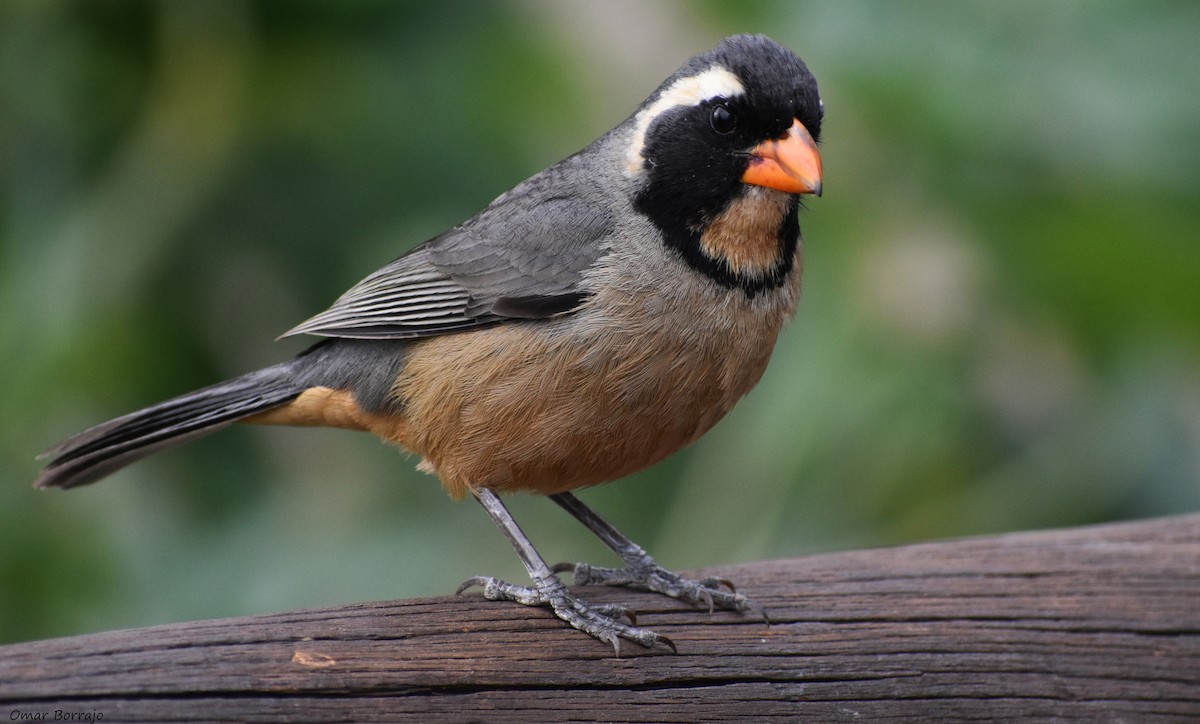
(716, 82)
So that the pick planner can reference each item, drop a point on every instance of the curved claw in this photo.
(472, 581)
(563, 568)
(666, 642)
(616, 643)
(714, 582)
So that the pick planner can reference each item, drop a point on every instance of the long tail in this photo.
(109, 446)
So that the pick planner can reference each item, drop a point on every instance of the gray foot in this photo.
(647, 575)
(598, 620)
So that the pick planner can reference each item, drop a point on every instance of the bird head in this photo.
(731, 135)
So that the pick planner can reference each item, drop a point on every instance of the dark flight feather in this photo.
(97, 451)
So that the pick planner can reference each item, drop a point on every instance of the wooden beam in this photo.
(1099, 623)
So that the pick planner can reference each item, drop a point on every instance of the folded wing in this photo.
(522, 258)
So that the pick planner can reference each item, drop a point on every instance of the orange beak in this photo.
(790, 164)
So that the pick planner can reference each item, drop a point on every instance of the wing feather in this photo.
(521, 258)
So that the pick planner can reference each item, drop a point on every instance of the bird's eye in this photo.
(722, 120)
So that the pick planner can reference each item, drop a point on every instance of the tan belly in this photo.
(522, 407)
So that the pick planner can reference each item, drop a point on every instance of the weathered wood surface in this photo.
(1097, 623)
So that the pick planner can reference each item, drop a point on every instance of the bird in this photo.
(586, 324)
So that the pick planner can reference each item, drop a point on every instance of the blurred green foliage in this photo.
(1001, 326)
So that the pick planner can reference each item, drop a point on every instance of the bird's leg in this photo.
(547, 590)
(643, 572)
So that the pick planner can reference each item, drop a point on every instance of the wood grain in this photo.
(1098, 623)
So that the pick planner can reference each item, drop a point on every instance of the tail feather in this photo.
(90, 455)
